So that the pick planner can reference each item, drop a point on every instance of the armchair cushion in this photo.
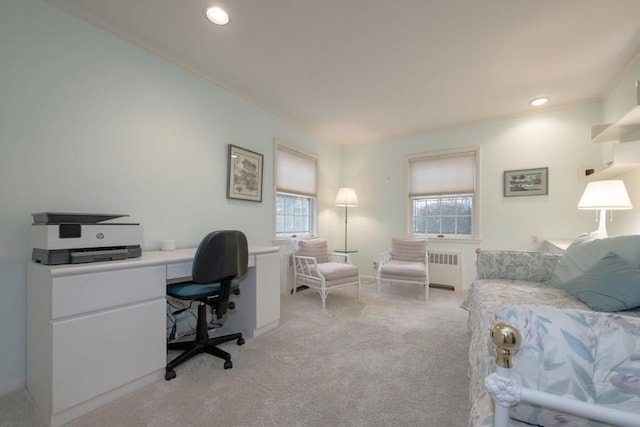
(336, 270)
(315, 248)
(408, 249)
(403, 269)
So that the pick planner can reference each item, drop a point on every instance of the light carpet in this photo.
(388, 359)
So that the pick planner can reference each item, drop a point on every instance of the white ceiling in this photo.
(363, 70)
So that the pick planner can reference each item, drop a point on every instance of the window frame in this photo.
(441, 234)
(475, 208)
(312, 209)
(313, 198)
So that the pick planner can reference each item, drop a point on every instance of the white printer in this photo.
(73, 238)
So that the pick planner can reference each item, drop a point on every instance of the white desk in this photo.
(96, 332)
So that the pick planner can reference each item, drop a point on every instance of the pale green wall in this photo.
(89, 123)
(559, 140)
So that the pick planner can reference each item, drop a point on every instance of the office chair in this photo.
(220, 259)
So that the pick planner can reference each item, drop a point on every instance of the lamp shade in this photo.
(346, 197)
(609, 194)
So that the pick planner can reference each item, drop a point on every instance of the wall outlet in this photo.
(375, 265)
(535, 239)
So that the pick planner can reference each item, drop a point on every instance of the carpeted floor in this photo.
(385, 360)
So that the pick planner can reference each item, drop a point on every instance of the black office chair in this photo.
(221, 258)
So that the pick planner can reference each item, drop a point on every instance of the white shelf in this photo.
(609, 171)
(626, 156)
(623, 130)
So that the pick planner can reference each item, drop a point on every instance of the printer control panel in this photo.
(69, 231)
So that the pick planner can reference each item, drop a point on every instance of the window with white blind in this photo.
(443, 188)
(296, 187)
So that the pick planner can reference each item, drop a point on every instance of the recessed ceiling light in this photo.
(536, 102)
(217, 15)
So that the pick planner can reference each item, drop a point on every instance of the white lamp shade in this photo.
(347, 197)
(610, 194)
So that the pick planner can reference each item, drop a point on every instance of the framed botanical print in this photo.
(244, 174)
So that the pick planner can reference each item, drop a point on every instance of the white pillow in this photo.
(587, 250)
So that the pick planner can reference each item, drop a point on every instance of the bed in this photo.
(511, 281)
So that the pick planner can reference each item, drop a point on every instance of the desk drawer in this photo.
(84, 293)
(99, 352)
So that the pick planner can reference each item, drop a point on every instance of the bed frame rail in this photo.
(506, 392)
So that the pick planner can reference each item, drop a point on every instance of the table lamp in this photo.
(603, 196)
(346, 197)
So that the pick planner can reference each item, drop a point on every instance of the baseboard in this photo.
(448, 287)
(11, 386)
(366, 280)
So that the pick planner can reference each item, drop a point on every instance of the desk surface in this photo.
(148, 258)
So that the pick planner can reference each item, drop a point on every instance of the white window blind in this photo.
(443, 174)
(295, 172)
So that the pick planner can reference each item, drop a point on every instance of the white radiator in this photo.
(445, 268)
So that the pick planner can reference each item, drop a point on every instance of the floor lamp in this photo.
(346, 197)
(603, 196)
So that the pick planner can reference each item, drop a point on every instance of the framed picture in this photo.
(526, 182)
(244, 174)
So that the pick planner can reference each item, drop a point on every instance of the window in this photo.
(443, 194)
(293, 215)
(295, 211)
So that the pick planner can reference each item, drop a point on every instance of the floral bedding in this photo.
(490, 294)
(592, 356)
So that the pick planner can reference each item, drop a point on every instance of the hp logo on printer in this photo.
(100, 236)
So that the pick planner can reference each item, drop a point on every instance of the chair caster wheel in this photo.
(169, 375)
(227, 364)
(240, 341)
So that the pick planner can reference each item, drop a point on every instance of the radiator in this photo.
(445, 269)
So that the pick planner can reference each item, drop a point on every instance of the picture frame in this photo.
(244, 174)
(526, 182)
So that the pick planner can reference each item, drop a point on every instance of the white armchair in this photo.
(406, 262)
(315, 267)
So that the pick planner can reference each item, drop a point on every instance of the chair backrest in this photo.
(408, 249)
(316, 248)
(221, 255)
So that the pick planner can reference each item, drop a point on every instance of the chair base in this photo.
(324, 291)
(202, 344)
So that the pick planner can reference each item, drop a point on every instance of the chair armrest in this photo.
(384, 257)
(305, 266)
(515, 265)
